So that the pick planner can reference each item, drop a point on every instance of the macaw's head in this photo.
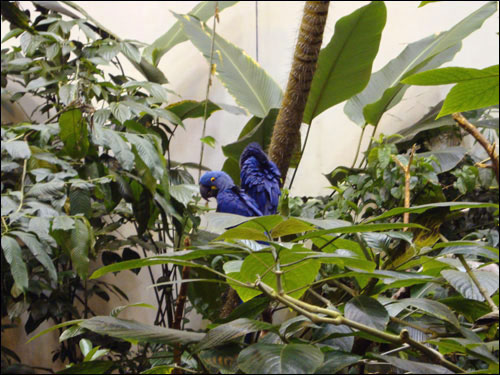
(213, 182)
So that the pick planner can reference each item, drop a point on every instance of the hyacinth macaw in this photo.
(260, 178)
(230, 198)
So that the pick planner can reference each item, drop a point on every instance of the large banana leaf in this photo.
(345, 64)
(243, 77)
(384, 90)
(203, 11)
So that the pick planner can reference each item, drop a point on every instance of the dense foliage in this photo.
(375, 282)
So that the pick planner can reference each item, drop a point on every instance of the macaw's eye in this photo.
(213, 187)
(212, 179)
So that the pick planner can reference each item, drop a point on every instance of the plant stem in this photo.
(209, 83)
(406, 170)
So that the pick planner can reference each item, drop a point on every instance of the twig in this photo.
(209, 83)
(334, 317)
(406, 170)
(472, 130)
(477, 283)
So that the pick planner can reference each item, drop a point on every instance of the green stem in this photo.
(209, 83)
(359, 146)
(22, 185)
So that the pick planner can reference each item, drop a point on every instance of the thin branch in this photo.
(209, 83)
(406, 171)
(477, 283)
(472, 130)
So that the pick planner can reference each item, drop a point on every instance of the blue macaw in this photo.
(230, 198)
(260, 178)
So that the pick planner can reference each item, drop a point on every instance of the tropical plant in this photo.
(396, 269)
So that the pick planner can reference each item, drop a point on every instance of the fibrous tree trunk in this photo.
(286, 133)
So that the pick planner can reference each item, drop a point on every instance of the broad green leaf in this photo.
(80, 202)
(470, 95)
(475, 88)
(472, 249)
(295, 276)
(469, 308)
(280, 359)
(39, 251)
(17, 149)
(245, 80)
(243, 234)
(335, 361)
(203, 11)
(120, 111)
(63, 223)
(385, 90)
(358, 229)
(422, 208)
(344, 65)
(117, 310)
(367, 311)
(431, 307)
(192, 109)
(218, 222)
(12, 34)
(231, 331)
(85, 346)
(412, 366)
(138, 332)
(181, 257)
(290, 226)
(90, 367)
(462, 282)
(447, 158)
(13, 256)
(80, 246)
(145, 146)
(72, 331)
(53, 328)
(47, 189)
(184, 193)
(67, 93)
(445, 76)
(74, 133)
(224, 358)
(131, 51)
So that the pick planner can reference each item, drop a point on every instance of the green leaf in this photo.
(290, 226)
(447, 158)
(367, 311)
(245, 80)
(92, 367)
(53, 328)
(80, 246)
(47, 189)
(422, 208)
(85, 346)
(120, 111)
(192, 109)
(12, 34)
(295, 277)
(431, 307)
(344, 65)
(17, 149)
(208, 140)
(67, 93)
(137, 332)
(335, 361)
(74, 133)
(131, 51)
(145, 146)
(181, 257)
(13, 256)
(359, 229)
(203, 11)
(117, 310)
(469, 308)
(444, 76)
(63, 223)
(231, 331)
(80, 202)
(385, 90)
(470, 95)
(39, 251)
(184, 193)
(462, 282)
(472, 249)
(412, 366)
(280, 359)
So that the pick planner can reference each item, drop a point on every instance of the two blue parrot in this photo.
(260, 185)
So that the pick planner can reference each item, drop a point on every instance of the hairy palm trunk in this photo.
(287, 128)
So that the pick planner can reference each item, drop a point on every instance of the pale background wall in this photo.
(333, 138)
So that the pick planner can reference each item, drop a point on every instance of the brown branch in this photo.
(406, 171)
(287, 128)
(472, 130)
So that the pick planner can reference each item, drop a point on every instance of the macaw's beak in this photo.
(206, 192)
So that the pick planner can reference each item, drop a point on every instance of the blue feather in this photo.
(260, 178)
